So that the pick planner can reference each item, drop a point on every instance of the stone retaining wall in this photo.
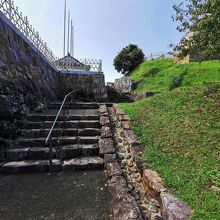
(21, 66)
(123, 204)
(28, 80)
(93, 84)
(170, 206)
(25, 71)
(138, 193)
(124, 84)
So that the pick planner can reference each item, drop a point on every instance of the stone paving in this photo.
(62, 196)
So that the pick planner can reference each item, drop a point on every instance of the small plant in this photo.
(176, 81)
(151, 72)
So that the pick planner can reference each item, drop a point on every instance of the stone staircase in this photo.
(75, 143)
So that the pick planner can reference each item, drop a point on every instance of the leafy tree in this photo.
(200, 19)
(129, 58)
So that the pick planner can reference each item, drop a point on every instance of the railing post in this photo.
(100, 65)
(51, 153)
(10, 9)
(26, 26)
(64, 117)
(67, 113)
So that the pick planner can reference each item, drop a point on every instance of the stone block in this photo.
(89, 132)
(152, 183)
(123, 118)
(118, 111)
(136, 151)
(110, 158)
(89, 149)
(16, 154)
(103, 109)
(124, 206)
(104, 120)
(106, 146)
(40, 153)
(21, 167)
(106, 132)
(126, 125)
(83, 163)
(71, 165)
(173, 208)
(90, 163)
(131, 139)
(113, 169)
(56, 165)
(67, 152)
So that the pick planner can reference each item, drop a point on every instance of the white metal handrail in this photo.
(48, 140)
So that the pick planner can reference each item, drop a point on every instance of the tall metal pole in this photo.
(71, 38)
(73, 42)
(64, 39)
(68, 41)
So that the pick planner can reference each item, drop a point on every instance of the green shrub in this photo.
(176, 81)
(128, 59)
(151, 72)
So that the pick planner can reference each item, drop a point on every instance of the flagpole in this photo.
(64, 39)
(68, 42)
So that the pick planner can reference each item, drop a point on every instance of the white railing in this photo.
(21, 22)
(83, 64)
(153, 56)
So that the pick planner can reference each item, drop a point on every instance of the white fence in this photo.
(81, 64)
(154, 56)
(21, 22)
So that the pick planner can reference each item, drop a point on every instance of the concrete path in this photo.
(61, 196)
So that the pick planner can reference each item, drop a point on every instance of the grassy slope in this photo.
(157, 74)
(180, 131)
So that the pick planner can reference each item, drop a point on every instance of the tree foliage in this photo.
(129, 58)
(200, 19)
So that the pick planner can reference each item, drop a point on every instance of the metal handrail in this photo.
(48, 140)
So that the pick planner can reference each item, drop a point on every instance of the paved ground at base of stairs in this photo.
(72, 196)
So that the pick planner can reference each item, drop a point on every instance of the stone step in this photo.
(89, 149)
(89, 132)
(57, 141)
(16, 154)
(61, 152)
(40, 142)
(30, 166)
(88, 139)
(42, 118)
(59, 124)
(75, 105)
(83, 163)
(35, 133)
(40, 153)
(72, 151)
(68, 151)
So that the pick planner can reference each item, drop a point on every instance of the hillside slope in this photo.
(180, 131)
(160, 74)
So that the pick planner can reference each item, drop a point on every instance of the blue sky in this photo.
(104, 27)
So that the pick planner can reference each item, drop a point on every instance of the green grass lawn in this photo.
(180, 131)
(157, 75)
